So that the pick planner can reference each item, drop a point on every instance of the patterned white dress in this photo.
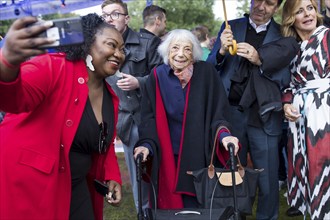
(309, 136)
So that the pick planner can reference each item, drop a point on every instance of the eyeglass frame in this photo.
(103, 145)
(114, 13)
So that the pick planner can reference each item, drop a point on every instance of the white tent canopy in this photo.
(20, 8)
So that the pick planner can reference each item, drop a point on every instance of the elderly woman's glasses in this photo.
(113, 15)
(103, 145)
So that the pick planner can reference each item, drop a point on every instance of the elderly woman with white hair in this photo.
(183, 106)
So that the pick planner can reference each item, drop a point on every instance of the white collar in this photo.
(259, 28)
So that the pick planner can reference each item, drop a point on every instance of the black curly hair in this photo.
(91, 24)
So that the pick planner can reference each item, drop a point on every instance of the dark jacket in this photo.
(326, 19)
(261, 89)
(141, 57)
(231, 64)
(145, 31)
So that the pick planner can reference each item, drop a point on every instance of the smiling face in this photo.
(107, 52)
(262, 11)
(180, 54)
(305, 19)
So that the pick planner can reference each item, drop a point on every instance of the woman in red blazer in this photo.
(57, 135)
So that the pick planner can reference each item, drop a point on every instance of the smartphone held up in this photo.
(65, 32)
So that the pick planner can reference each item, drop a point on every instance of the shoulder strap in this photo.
(211, 170)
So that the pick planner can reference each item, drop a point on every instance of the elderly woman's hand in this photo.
(233, 140)
(143, 150)
(114, 195)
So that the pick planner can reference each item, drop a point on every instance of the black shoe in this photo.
(292, 211)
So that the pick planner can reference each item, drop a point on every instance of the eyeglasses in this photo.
(113, 15)
(103, 145)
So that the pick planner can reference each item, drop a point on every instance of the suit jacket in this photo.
(44, 106)
(141, 57)
(230, 65)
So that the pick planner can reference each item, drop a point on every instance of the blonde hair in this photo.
(290, 8)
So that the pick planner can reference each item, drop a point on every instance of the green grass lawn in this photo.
(127, 210)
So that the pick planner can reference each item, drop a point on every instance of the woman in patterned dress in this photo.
(307, 107)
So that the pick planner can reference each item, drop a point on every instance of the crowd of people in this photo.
(165, 96)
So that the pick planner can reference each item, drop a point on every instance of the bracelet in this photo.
(5, 62)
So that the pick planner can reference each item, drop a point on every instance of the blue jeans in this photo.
(131, 166)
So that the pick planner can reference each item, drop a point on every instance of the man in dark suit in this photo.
(141, 58)
(256, 115)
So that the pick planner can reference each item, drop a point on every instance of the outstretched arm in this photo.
(20, 45)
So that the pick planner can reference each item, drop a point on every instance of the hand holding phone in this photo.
(114, 196)
(112, 193)
(65, 31)
(101, 187)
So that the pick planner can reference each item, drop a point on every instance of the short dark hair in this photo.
(151, 11)
(279, 2)
(119, 2)
(91, 24)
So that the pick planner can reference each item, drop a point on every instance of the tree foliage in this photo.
(184, 14)
(4, 26)
(244, 7)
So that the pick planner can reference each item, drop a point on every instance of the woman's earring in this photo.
(89, 64)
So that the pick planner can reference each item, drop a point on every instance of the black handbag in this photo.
(214, 188)
(170, 214)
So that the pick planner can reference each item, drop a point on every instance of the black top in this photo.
(85, 143)
(86, 139)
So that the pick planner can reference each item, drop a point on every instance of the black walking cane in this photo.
(232, 213)
(139, 181)
(231, 148)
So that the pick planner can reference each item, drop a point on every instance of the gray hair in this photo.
(180, 34)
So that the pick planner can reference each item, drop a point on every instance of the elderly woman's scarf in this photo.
(185, 75)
